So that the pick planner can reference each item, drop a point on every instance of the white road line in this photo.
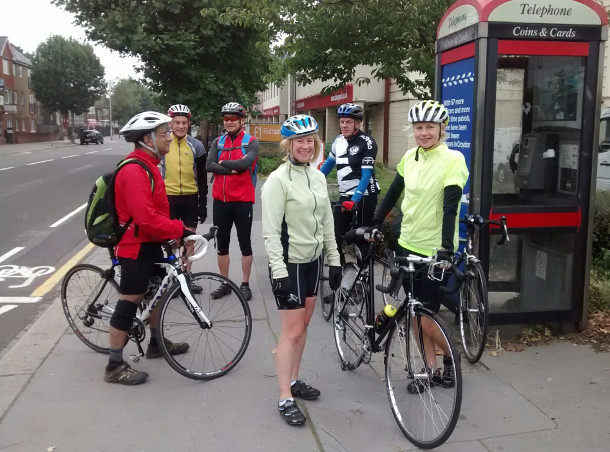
(71, 214)
(91, 152)
(20, 300)
(42, 161)
(69, 156)
(8, 167)
(12, 252)
(7, 308)
(107, 149)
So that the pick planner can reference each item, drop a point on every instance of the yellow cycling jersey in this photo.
(180, 168)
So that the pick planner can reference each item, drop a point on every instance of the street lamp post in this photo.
(111, 128)
(110, 86)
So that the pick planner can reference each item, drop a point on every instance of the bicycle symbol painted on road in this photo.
(28, 273)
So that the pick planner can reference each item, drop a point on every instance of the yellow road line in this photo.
(46, 286)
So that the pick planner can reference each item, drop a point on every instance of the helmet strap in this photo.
(155, 150)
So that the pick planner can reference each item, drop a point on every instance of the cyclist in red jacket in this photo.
(232, 159)
(136, 197)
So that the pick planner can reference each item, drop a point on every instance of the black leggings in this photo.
(227, 213)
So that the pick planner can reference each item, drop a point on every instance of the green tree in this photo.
(130, 97)
(201, 62)
(328, 39)
(66, 75)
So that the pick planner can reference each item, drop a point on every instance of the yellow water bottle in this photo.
(384, 317)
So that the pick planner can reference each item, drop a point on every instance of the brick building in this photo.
(20, 114)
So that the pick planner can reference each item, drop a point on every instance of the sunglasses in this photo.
(231, 118)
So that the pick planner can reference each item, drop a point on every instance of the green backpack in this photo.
(101, 220)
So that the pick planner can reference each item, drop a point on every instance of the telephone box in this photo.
(522, 82)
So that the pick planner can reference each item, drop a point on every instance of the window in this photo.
(9, 123)
(16, 125)
(20, 70)
(32, 105)
(32, 126)
(15, 97)
(23, 125)
(5, 67)
(22, 99)
(14, 69)
(91, 110)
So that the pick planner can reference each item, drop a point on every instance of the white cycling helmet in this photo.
(299, 126)
(143, 124)
(428, 111)
(179, 110)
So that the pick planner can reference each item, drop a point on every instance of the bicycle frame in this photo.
(407, 307)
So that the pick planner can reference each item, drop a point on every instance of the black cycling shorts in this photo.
(303, 283)
(184, 208)
(426, 290)
(227, 213)
(135, 273)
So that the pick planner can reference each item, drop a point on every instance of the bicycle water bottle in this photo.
(384, 317)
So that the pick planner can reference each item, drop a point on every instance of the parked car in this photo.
(91, 136)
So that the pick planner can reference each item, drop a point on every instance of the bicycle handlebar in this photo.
(397, 272)
(477, 221)
(354, 235)
(205, 239)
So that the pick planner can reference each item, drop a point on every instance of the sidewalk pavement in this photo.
(554, 397)
(6, 149)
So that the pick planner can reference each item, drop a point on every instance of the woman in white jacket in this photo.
(297, 228)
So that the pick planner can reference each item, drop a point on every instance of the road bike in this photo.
(425, 406)
(217, 331)
(473, 314)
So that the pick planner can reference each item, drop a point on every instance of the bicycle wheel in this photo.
(212, 351)
(88, 301)
(325, 294)
(388, 256)
(428, 415)
(349, 318)
(474, 311)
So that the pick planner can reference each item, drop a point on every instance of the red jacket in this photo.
(150, 210)
(233, 187)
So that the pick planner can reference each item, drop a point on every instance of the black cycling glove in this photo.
(186, 232)
(202, 212)
(444, 255)
(281, 287)
(334, 277)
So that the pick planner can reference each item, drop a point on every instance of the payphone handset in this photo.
(547, 161)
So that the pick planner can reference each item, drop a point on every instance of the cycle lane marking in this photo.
(19, 300)
(69, 156)
(7, 168)
(56, 277)
(7, 308)
(71, 214)
(12, 252)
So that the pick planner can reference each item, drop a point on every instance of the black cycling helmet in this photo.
(233, 108)
(350, 111)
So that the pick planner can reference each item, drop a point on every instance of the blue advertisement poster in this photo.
(457, 95)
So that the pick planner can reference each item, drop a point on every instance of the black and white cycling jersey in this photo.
(352, 155)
